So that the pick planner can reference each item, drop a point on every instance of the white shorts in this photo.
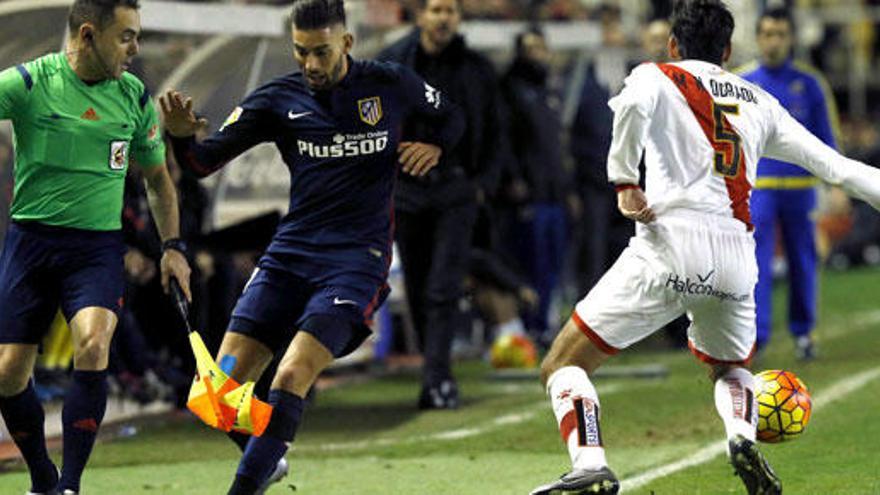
(683, 262)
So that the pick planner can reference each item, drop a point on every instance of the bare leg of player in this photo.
(304, 360)
(245, 359)
(565, 373)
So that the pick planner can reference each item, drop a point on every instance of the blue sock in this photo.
(263, 453)
(84, 406)
(24, 418)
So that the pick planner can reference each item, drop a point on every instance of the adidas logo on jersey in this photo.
(90, 114)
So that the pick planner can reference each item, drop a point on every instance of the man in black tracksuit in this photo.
(435, 214)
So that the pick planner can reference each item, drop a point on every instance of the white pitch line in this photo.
(508, 419)
(835, 392)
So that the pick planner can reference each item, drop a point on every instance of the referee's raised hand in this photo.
(178, 115)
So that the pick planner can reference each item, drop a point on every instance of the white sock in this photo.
(576, 406)
(736, 404)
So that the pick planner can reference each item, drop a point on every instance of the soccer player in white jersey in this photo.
(702, 130)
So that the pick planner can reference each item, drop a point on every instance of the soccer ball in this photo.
(784, 405)
(513, 351)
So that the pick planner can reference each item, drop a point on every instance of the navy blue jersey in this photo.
(340, 146)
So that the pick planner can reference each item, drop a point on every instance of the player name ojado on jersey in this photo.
(730, 90)
(347, 145)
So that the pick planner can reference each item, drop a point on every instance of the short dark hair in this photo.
(423, 4)
(98, 12)
(521, 37)
(317, 14)
(777, 14)
(702, 28)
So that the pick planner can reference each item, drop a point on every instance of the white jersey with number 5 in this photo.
(703, 130)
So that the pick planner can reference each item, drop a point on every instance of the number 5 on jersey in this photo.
(726, 162)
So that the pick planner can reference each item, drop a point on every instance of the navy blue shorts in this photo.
(276, 304)
(43, 268)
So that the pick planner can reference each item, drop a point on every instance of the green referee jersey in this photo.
(73, 142)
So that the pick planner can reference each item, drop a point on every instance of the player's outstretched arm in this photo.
(791, 142)
(244, 129)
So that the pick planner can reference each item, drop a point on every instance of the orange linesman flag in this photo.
(220, 401)
(217, 399)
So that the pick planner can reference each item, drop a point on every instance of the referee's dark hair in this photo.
(98, 12)
(317, 14)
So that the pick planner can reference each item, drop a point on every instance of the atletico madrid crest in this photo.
(370, 110)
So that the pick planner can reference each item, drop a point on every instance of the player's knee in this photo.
(92, 351)
(295, 375)
(12, 381)
(15, 371)
(13, 378)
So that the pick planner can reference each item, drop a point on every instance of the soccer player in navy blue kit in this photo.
(337, 124)
(785, 194)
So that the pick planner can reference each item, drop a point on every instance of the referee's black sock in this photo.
(84, 406)
(24, 418)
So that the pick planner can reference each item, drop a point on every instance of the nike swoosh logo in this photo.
(294, 116)
(703, 279)
(339, 302)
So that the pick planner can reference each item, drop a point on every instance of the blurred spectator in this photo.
(435, 215)
(560, 10)
(854, 232)
(536, 183)
(655, 38)
(785, 196)
(602, 232)
(499, 293)
(147, 323)
(150, 354)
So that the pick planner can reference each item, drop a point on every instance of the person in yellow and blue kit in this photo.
(785, 195)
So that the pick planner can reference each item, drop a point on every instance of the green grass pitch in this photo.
(368, 438)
